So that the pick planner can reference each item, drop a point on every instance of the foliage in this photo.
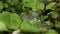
(30, 16)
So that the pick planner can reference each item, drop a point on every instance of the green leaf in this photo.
(57, 24)
(12, 9)
(3, 27)
(52, 13)
(1, 5)
(13, 2)
(51, 32)
(48, 23)
(12, 20)
(6, 5)
(27, 27)
(33, 3)
(29, 3)
(45, 17)
(51, 5)
(40, 6)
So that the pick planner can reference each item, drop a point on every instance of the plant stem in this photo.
(16, 32)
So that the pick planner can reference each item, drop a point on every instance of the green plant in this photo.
(29, 17)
